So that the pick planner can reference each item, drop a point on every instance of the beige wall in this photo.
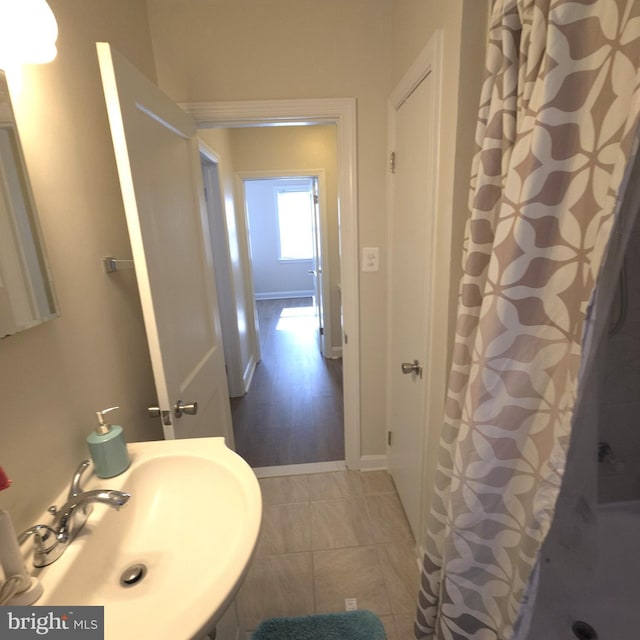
(53, 377)
(212, 50)
(298, 149)
(472, 48)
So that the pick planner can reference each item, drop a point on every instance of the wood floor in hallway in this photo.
(293, 412)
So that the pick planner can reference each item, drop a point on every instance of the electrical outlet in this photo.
(350, 604)
(370, 258)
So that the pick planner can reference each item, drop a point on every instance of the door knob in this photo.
(188, 409)
(412, 367)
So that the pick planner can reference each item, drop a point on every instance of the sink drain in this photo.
(132, 575)
(584, 631)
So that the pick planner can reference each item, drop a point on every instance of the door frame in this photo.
(328, 351)
(342, 113)
(435, 375)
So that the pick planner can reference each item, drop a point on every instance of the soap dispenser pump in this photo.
(107, 447)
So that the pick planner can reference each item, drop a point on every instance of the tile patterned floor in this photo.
(330, 536)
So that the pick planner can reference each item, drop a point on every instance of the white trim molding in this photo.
(247, 374)
(299, 469)
(342, 113)
(284, 295)
(258, 113)
(373, 463)
(336, 353)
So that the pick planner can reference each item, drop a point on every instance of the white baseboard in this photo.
(247, 375)
(373, 463)
(367, 463)
(284, 295)
(299, 469)
(335, 353)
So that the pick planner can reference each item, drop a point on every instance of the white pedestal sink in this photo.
(192, 523)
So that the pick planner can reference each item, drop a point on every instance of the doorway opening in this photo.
(292, 413)
(287, 223)
(322, 111)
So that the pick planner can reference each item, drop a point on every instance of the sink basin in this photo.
(192, 523)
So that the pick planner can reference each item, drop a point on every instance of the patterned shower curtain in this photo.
(557, 130)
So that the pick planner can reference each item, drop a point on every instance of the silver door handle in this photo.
(154, 412)
(188, 409)
(412, 367)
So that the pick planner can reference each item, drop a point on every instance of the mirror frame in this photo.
(27, 295)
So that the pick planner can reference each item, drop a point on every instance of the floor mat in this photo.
(347, 625)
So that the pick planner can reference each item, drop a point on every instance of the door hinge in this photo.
(321, 331)
(315, 198)
(392, 162)
(346, 339)
(389, 437)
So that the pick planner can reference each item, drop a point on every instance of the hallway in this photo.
(293, 412)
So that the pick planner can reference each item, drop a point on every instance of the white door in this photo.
(316, 271)
(161, 181)
(410, 278)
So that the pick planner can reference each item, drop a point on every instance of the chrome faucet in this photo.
(50, 541)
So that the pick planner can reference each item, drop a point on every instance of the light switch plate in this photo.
(371, 258)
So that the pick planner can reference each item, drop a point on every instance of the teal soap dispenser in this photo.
(107, 447)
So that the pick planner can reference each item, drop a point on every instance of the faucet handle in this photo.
(40, 533)
(48, 544)
(75, 489)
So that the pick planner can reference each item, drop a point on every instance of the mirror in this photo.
(26, 293)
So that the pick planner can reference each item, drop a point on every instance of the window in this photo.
(295, 225)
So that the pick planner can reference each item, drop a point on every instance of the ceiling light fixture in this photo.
(28, 33)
